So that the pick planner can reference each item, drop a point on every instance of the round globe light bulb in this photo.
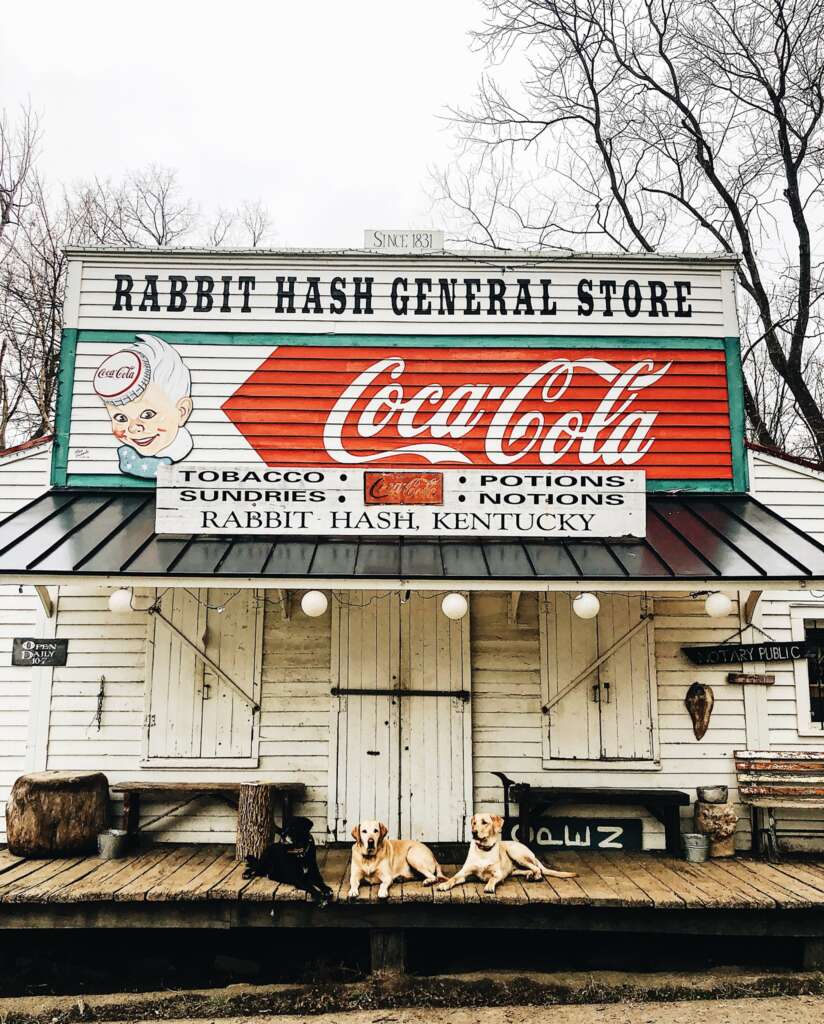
(454, 606)
(717, 605)
(120, 601)
(314, 603)
(586, 606)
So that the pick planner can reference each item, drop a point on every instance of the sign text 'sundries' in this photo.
(614, 434)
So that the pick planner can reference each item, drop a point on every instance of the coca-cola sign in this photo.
(663, 411)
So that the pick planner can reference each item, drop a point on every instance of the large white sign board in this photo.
(448, 503)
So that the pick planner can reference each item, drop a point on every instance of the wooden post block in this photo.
(255, 819)
(52, 814)
(388, 950)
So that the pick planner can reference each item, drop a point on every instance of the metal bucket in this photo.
(696, 847)
(112, 844)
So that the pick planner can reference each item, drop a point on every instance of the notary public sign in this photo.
(736, 654)
(347, 501)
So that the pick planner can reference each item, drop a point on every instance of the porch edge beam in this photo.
(619, 586)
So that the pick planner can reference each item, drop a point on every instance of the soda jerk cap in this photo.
(123, 376)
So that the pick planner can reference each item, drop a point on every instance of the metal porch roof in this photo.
(689, 537)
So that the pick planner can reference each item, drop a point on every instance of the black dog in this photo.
(293, 860)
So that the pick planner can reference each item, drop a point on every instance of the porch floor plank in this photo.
(213, 876)
(47, 890)
(8, 861)
(750, 894)
(109, 876)
(719, 893)
(803, 873)
(598, 891)
(138, 881)
(664, 870)
(658, 892)
(811, 897)
(232, 885)
(45, 870)
(178, 885)
(780, 894)
(629, 892)
(14, 876)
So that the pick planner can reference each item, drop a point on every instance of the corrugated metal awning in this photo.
(690, 537)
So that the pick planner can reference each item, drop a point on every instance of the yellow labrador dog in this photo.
(376, 859)
(492, 859)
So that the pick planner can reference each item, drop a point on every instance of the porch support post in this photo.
(388, 950)
(813, 955)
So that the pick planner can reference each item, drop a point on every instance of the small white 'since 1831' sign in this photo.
(402, 240)
(344, 501)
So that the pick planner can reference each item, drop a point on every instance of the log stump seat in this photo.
(57, 814)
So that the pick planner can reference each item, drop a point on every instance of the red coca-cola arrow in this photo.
(665, 412)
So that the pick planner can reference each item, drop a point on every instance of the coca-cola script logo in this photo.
(115, 375)
(663, 412)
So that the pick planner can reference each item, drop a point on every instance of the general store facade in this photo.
(387, 431)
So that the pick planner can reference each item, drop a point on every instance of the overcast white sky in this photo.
(326, 111)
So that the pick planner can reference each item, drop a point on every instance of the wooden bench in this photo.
(662, 804)
(228, 791)
(770, 779)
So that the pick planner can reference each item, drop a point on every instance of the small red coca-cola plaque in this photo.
(403, 488)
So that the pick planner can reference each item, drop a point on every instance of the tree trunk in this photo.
(52, 814)
(255, 819)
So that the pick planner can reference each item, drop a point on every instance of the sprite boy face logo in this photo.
(146, 390)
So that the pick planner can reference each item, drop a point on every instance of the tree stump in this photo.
(717, 822)
(255, 819)
(57, 814)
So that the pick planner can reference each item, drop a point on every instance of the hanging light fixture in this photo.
(717, 605)
(314, 603)
(454, 606)
(586, 605)
(120, 601)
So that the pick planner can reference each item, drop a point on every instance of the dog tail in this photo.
(550, 873)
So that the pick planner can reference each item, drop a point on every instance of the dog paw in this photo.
(383, 895)
(443, 887)
(429, 881)
(353, 895)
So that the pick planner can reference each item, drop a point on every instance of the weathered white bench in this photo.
(772, 779)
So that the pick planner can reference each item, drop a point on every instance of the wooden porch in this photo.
(203, 875)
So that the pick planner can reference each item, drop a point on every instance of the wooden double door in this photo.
(401, 725)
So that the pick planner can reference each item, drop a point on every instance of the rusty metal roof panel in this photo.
(110, 533)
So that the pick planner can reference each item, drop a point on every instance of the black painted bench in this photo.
(662, 804)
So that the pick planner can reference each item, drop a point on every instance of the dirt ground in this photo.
(779, 1010)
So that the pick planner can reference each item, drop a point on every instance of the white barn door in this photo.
(193, 717)
(436, 741)
(610, 714)
(366, 735)
(403, 759)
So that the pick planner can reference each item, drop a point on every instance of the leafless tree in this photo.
(256, 221)
(645, 125)
(18, 147)
(146, 208)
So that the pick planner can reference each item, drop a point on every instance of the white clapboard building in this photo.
(386, 525)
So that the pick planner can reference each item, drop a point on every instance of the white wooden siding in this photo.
(23, 476)
(508, 723)
(796, 493)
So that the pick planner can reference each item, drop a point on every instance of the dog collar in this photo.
(486, 849)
